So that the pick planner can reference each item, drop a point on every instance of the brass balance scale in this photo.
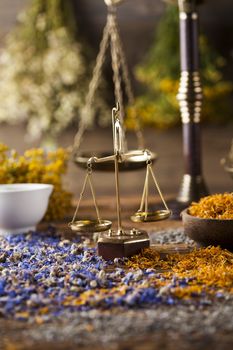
(120, 242)
(111, 40)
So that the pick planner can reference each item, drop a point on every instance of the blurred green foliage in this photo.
(159, 74)
(45, 70)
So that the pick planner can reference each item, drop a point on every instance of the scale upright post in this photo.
(121, 242)
(190, 100)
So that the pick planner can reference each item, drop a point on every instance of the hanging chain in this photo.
(93, 85)
(89, 169)
(88, 178)
(125, 71)
(115, 62)
(111, 32)
(80, 198)
(128, 86)
(116, 68)
(157, 186)
(144, 200)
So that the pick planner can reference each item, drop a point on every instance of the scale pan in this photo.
(90, 226)
(134, 161)
(142, 216)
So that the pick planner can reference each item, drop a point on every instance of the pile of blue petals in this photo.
(44, 274)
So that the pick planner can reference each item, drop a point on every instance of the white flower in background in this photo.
(46, 91)
(43, 77)
(41, 23)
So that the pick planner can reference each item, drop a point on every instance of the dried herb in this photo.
(37, 166)
(217, 206)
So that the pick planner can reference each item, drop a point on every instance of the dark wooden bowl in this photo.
(208, 231)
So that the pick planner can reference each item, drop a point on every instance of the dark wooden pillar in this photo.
(190, 100)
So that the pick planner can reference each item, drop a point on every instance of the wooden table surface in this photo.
(11, 337)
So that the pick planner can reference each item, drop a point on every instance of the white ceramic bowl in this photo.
(22, 206)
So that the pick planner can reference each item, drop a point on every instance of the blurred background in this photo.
(47, 56)
(138, 20)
